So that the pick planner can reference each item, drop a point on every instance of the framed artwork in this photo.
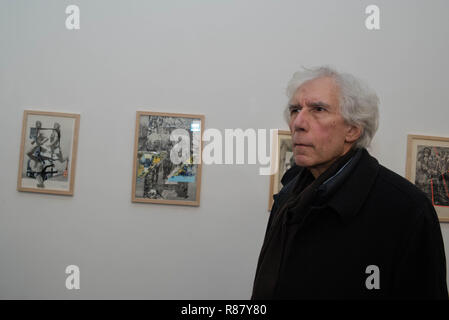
(48, 152)
(282, 157)
(167, 158)
(428, 168)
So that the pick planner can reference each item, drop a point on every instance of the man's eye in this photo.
(294, 109)
(319, 109)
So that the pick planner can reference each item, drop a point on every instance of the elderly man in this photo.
(343, 226)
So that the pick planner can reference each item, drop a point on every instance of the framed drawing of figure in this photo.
(167, 158)
(428, 168)
(48, 152)
(282, 157)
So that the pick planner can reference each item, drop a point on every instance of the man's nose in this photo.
(300, 122)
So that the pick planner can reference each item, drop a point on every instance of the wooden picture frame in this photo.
(48, 151)
(427, 167)
(282, 157)
(156, 178)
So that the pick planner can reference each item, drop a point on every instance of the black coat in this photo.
(375, 218)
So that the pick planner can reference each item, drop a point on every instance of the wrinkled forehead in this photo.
(323, 89)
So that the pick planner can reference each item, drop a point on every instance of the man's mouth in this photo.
(302, 145)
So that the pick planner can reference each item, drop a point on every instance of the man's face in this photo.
(319, 132)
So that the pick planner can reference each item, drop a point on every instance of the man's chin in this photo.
(302, 161)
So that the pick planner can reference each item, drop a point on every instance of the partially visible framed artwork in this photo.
(167, 158)
(48, 152)
(282, 157)
(428, 168)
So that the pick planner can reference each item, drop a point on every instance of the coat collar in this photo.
(351, 195)
(291, 174)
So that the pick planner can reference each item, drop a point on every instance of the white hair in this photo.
(358, 102)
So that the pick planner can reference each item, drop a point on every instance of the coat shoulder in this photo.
(403, 192)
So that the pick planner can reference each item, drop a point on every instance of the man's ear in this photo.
(353, 133)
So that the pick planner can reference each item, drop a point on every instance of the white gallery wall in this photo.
(229, 60)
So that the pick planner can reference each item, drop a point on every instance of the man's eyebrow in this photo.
(317, 104)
